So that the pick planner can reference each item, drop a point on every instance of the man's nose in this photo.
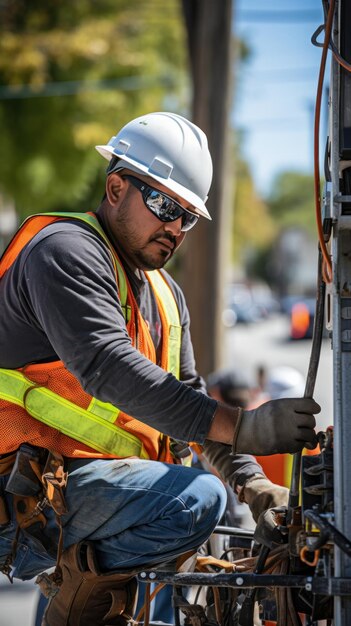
(175, 228)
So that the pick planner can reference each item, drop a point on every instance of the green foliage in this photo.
(253, 226)
(291, 201)
(92, 66)
(259, 223)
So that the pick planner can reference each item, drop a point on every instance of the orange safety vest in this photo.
(278, 467)
(18, 426)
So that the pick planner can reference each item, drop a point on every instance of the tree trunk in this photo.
(209, 27)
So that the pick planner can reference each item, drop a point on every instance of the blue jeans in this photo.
(161, 609)
(137, 513)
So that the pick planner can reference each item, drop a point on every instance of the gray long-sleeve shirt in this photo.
(59, 300)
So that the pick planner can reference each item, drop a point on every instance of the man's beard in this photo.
(147, 261)
(143, 257)
(140, 255)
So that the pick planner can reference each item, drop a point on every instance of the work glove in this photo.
(277, 426)
(261, 494)
(271, 529)
(257, 491)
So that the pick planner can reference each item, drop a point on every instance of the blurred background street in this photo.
(268, 343)
(17, 603)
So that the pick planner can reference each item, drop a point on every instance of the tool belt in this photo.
(36, 480)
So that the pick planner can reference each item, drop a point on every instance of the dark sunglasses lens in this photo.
(189, 220)
(167, 210)
(155, 202)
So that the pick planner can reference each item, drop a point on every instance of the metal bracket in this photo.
(316, 584)
(339, 197)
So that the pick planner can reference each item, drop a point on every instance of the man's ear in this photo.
(115, 188)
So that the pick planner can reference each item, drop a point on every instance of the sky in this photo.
(276, 87)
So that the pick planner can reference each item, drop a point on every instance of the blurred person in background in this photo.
(280, 381)
(235, 387)
(232, 386)
(283, 381)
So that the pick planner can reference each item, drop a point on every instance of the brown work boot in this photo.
(88, 598)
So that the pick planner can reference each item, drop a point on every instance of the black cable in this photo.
(317, 336)
(314, 39)
(246, 615)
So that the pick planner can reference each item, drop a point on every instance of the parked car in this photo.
(247, 304)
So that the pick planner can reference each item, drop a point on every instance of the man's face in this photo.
(146, 242)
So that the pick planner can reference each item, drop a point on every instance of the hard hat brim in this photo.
(108, 152)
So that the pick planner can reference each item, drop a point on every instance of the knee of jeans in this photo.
(211, 503)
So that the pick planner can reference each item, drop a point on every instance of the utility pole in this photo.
(340, 166)
(209, 30)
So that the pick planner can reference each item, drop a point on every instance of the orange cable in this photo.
(304, 558)
(342, 61)
(327, 272)
(152, 596)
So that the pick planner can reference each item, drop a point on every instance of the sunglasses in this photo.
(165, 208)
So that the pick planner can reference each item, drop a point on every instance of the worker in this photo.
(281, 381)
(234, 387)
(231, 386)
(99, 390)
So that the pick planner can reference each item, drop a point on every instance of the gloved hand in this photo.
(261, 494)
(271, 529)
(284, 425)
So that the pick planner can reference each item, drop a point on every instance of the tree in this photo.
(291, 201)
(288, 260)
(253, 226)
(209, 29)
(71, 74)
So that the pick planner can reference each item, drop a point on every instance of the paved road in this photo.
(267, 343)
(263, 343)
(17, 603)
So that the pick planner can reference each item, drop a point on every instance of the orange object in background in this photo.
(277, 467)
(300, 320)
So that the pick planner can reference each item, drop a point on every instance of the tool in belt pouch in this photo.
(36, 480)
(181, 452)
(34, 487)
(6, 464)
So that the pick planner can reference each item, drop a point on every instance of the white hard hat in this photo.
(169, 149)
(285, 382)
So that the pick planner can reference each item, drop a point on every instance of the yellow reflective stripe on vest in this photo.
(166, 296)
(103, 409)
(70, 419)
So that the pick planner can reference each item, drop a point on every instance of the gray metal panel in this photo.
(341, 289)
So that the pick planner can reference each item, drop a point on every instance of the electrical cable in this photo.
(294, 493)
(324, 272)
(274, 16)
(146, 605)
(339, 58)
(328, 43)
(77, 87)
(332, 46)
(327, 263)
